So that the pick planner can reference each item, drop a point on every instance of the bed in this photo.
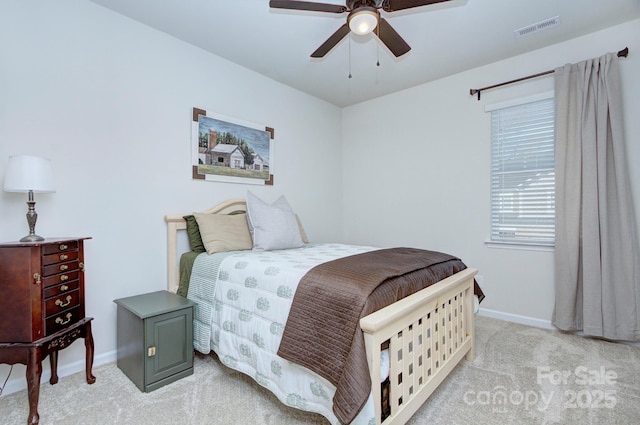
(411, 345)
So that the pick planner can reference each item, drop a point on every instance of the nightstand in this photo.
(155, 338)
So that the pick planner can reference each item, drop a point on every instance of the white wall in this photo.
(437, 195)
(109, 101)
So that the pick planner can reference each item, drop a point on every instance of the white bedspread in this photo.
(243, 300)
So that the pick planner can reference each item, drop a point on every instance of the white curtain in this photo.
(597, 269)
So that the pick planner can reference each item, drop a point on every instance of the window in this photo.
(522, 173)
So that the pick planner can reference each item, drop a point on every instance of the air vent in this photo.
(539, 26)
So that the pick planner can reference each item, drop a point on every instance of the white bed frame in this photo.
(428, 333)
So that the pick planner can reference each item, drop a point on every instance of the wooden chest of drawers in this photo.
(42, 286)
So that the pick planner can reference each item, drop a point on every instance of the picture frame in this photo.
(229, 150)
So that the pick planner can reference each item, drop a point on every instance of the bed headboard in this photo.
(176, 223)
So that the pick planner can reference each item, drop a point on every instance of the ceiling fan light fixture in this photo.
(363, 20)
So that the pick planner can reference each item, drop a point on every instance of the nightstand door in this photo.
(169, 344)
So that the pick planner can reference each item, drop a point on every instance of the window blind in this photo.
(522, 173)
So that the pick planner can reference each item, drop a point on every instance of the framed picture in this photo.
(229, 150)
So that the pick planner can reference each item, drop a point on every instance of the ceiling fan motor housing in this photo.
(354, 4)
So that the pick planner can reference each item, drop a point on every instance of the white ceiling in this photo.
(446, 38)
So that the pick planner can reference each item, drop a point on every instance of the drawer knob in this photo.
(64, 288)
(64, 267)
(61, 303)
(63, 257)
(151, 351)
(64, 277)
(61, 321)
(63, 247)
(36, 279)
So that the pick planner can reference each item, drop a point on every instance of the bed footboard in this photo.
(428, 334)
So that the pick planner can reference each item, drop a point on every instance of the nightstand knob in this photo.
(64, 288)
(64, 277)
(63, 257)
(63, 267)
(36, 278)
(63, 247)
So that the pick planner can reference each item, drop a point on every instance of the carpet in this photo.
(521, 375)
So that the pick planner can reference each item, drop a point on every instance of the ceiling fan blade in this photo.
(307, 5)
(395, 5)
(331, 42)
(391, 38)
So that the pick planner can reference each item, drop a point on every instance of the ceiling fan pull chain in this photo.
(378, 46)
(349, 57)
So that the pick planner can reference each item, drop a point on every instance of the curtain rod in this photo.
(622, 53)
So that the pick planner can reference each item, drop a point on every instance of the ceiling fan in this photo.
(364, 17)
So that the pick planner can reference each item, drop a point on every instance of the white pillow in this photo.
(273, 226)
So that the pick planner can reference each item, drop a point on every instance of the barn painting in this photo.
(233, 150)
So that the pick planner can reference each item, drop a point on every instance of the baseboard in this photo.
(530, 321)
(19, 383)
(516, 318)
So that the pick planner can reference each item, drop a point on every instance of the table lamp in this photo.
(31, 174)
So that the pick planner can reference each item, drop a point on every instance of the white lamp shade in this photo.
(363, 22)
(26, 172)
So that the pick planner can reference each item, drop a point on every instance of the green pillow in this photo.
(193, 232)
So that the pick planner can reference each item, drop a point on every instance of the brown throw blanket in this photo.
(323, 332)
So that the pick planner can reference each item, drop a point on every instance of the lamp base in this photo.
(32, 238)
(32, 217)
